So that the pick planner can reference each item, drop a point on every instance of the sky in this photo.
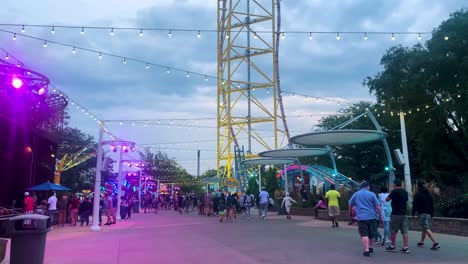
(112, 90)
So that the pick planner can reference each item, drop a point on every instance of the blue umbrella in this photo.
(47, 186)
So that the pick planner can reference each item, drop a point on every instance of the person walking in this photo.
(367, 206)
(52, 207)
(109, 209)
(398, 219)
(28, 204)
(123, 207)
(74, 205)
(333, 201)
(386, 212)
(230, 206)
(84, 211)
(287, 203)
(216, 199)
(62, 210)
(221, 207)
(423, 205)
(263, 203)
(208, 204)
(248, 203)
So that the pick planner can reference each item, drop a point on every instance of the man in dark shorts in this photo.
(367, 207)
(398, 219)
(423, 205)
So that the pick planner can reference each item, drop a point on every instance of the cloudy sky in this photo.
(112, 90)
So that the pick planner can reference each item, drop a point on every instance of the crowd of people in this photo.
(366, 208)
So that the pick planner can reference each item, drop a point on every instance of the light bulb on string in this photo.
(147, 66)
(53, 30)
(45, 44)
(227, 35)
(188, 74)
(310, 35)
(14, 36)
(112, 32)
(168, 71)
(446, 37)
(124, 61)
(199, 34)
(7, 57)
(255, 35)
(206, 78)
(141, 33)
(100, 55)
(365, 36)
(393, 36)
(82, 31)
(74, 50)
(338, 37)
(419, 36)
(283, 36)
(170, 33)
(22, 29)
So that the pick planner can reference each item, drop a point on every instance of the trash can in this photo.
(28, 234)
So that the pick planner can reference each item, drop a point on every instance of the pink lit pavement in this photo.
(169, 237)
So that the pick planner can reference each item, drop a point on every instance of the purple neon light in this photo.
(17, 83)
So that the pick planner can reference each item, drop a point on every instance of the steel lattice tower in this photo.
(248, 98)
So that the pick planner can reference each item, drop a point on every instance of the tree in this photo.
(429, 83)
(270, 181)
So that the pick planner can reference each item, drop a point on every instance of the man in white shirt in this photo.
(263, 203)
(52, 201)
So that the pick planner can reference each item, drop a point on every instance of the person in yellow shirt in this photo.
(333, 199)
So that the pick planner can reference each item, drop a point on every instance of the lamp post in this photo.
(97, 181)
(406, 166)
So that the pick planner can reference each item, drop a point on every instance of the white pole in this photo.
(119, 183)
(97, 181)
(285, 174)
(406, 157)
(259, 178)
(139, 189)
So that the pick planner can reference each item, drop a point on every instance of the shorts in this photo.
(399, 222)
(333, 210)
(425, 221)
(366, 228)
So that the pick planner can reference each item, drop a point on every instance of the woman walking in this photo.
(287, 203)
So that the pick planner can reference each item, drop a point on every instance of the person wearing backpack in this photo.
(248, 203)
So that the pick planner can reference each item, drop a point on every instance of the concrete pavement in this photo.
(169, 237)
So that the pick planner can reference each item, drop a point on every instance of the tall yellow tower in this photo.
(248, 100)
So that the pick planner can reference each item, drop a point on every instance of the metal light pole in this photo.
(406, 166)
(285, 174)
(97, 181)
(119, 184)
(198, 163)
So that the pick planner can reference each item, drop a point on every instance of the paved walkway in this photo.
(168, 237)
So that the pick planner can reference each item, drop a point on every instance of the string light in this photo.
(45, 44)
(283, 36)
(147, 66)
(199, 34)
(419, 36)
(446, 37)
(227, 35)
(365, 36)
(141, 33)
(393, 36)
(124, 61)
(53, 30)
(255, 35)
(100, 55)
(338, 36)
(14, 36)
(112, 32)
(168, 71)
(74, 50)
(82, 31)
(7, 57)
(22, 29)
(170, 33)
(206, 78)
(188, 74)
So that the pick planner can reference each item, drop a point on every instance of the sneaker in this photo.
(420, 244)
(366, 253)
(405, 250)
(371, 250)
(436, 246)
(390, 248)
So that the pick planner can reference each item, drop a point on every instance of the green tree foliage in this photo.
(430, 83)
(70, 141)
(270, 181)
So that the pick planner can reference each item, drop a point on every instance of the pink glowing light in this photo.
(41, 91)
(125, 148)
(17, 83)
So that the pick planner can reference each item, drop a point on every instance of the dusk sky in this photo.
(110, 89)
